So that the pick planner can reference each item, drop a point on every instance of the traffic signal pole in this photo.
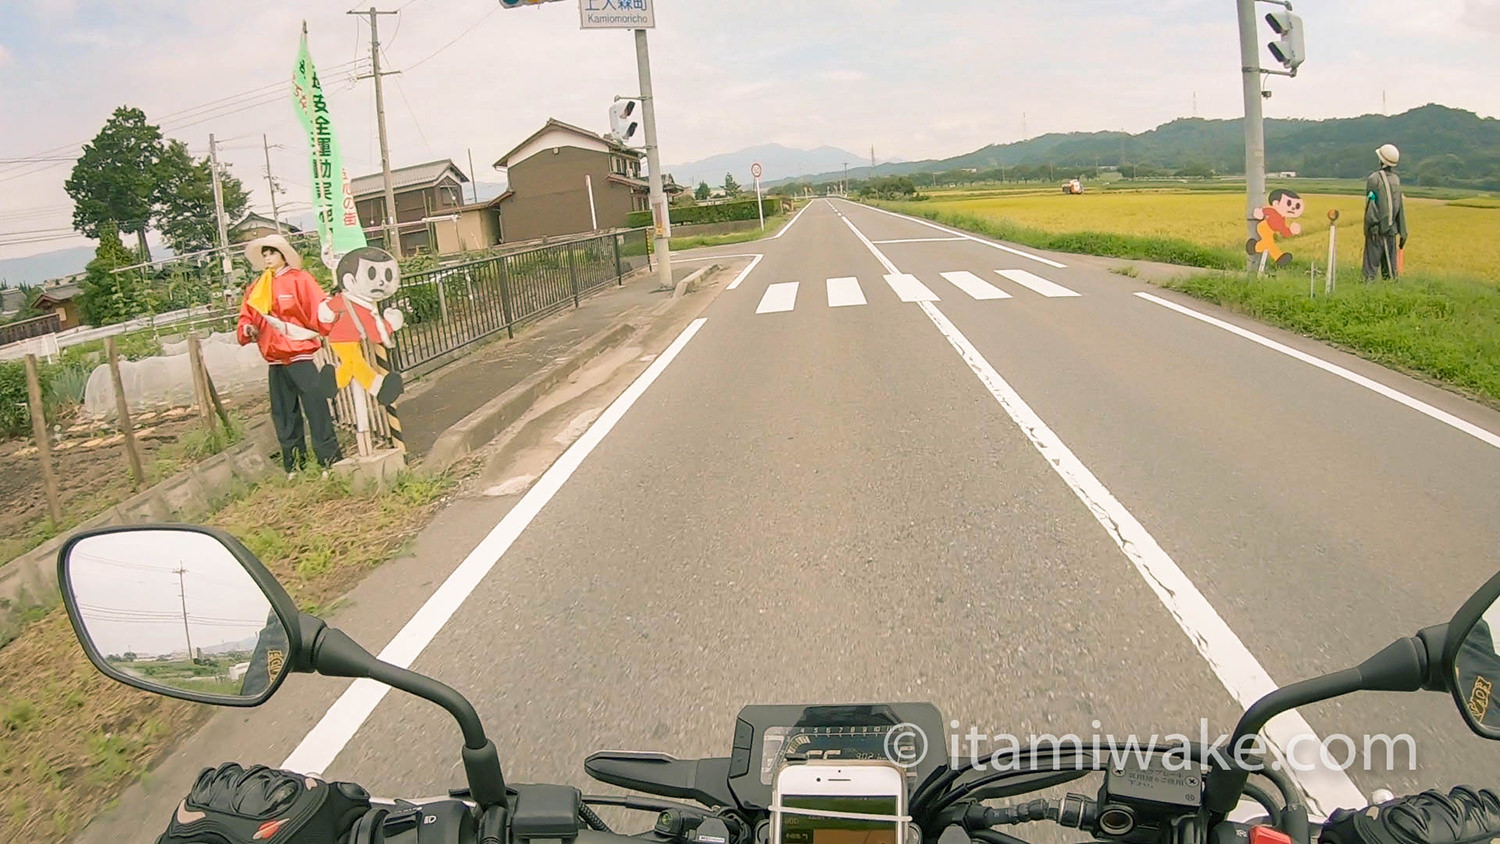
(660, 214)
(1255, 136)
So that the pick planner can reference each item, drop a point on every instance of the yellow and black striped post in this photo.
(383, 360)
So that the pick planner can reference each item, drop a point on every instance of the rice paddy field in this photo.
(1457, 237)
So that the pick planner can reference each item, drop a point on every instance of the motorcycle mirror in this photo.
(1471, 661)
(179, 610)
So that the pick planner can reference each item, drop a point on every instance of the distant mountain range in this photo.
(778, 163)
(1439, 146)
(35, 269)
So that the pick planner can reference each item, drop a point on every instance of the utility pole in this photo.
(182, 593)
(1255, 136)
(474, 178)
(844, 188)
(213, 164)
(660, 212)
(872, 160)
(271, 183)
(392, 230)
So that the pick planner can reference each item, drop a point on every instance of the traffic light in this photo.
(625, 122)
(1289, 50)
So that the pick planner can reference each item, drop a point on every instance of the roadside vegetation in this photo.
(71, 740)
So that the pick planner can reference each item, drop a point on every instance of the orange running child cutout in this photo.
(1285, 205)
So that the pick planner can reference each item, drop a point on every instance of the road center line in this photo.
(1484, 436)
(966, 236)
(1237, 669)
(343, 719)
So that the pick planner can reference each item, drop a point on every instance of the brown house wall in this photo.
(551, 196)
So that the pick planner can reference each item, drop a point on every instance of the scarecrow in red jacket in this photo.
(1285, 205)
(365, 277)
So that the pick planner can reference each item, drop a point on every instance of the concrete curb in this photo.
(30, 580)
(690, 284)
(486, 423)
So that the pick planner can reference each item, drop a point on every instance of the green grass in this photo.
(1445, 329)
(773, 225)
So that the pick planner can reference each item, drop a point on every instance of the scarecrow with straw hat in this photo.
(280, 314)
(1385, 217)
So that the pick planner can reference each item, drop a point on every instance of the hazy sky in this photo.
(913, 78)
(132, 599)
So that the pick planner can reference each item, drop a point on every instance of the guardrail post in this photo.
(619, 267)
(505, 307)
(573, 274)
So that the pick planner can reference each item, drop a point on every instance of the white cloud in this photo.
(844, 75)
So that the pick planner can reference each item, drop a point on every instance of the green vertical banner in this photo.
(339, 230)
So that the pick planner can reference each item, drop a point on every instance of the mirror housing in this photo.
(1471, 662)
(133, 584)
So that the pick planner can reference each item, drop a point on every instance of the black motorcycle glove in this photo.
(1462, 816)
(231, 804)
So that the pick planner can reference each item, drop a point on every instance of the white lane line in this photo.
(679, 258)
(1237, 669)
(779, 297)
(1037, 283)
(921, 240)
(966, 236)
(788, 227)
(746, 271)
(909, 289)
(322, 744)
(1484, 436)
(1328, 788)
(975, 286)
(843, 292)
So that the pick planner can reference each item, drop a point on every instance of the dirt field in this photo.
(92, 470)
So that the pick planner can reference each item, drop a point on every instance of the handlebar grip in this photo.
(1462, 816)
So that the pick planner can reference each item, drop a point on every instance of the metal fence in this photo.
(450, 308)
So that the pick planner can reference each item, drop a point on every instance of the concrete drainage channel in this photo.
(488, 422)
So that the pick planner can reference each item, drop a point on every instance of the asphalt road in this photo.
(820, 503)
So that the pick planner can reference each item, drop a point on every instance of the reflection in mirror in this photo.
(1477, 670)
(176, 612)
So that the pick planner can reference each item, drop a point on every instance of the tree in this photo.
(731, 187)
(183, 200)
(703, 192)
(114, 180)
(110, 297)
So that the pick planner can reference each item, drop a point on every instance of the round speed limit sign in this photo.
(755, 170)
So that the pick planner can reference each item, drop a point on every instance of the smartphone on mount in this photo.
(839, 802)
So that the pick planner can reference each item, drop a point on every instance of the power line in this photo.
(171, 117)
(459, 37)
(401, 89)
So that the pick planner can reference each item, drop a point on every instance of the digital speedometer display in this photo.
(803, 744)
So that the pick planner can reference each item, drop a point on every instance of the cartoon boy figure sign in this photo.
(1285, 205)
(366, 277)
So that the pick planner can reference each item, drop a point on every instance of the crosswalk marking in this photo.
(909, 289)
(1037, 283)
(975, 286)
(779, 297)
(844, 291)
